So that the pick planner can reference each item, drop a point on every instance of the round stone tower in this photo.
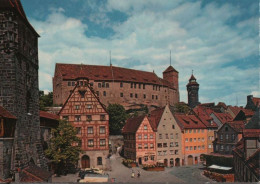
(193, 92)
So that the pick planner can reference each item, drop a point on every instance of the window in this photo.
(177, 136)
(145, 136)
(164, 125)
(73, 83)
(194, 140)
(166, 136)
(143, 86)
(226, 129)
(151, 136)
(121, 94)
(186, 148)
(194, 131)
(190, 139)
(159, 153)
(139, 136)
(69, 83)
(99, 160)
(190, 147)
(103, 85)
(66, 118)
(165, 145)
(176, 152)
(78, 130)
(151, 145)
(136, 96)
(102, 142)
(173, 127)
(139, 146)
(226, 136)
(89, 106)
(152, 157)
(202, 139)
(102, 130)
(171, 152)
(91, 84)
(135, 85)
(121, 84)
(90, 130)
(139, 86)
(99, 85)
(131, 85)
(144, 95)
(233, 136)
(77, 118)
(90, 143)
(89, 117)
(203, 147)
(102, 117)
(186, 131)
(176, 144)
(195, 147)
(190, 131)
(159, 145)
(131, 95)
(156, 97)
(160, 136)
(145, 158)
(171, 135)
(145, 146)
(198, 147)
(227, 148)
(107, 85)
(145, 127)
(171, 144)
(198, 130)
(198, 139)
(186, 139)
(77, 107)
(165, 152)
(104, 93)
(221, 136)
(210, 146)
(152, 96)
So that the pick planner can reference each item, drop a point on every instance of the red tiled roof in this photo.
(256, 101)
(48, 115)
(248, 112)
(17, 6)
(192, 77)
(235, 109)
(132, 124)
(204, 114)
(223, 117)
(188, 121)
(34, 173)
(170, 69)
(238, 126)
(222, 104)
(108, 73)
(6, 114)
(251, 133)
(155, 117)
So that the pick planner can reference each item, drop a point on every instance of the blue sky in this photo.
(216, 39)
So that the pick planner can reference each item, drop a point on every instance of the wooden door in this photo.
(85, 162)
(190, 160)
(165, 162)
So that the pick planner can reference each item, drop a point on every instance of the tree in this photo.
(117, 118)
(45, 100)
(182, 108)
(64, 147)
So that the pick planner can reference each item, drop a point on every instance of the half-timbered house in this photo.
(90, 118)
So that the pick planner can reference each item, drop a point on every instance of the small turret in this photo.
(193, 92)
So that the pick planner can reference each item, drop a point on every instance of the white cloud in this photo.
(199, 38)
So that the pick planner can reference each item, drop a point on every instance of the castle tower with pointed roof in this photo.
(193, 92)
(19, 92)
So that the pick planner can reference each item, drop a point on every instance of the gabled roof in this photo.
(254, 122)
(132, 124)
(170, 69)
(155, 117)
(256, 101)
(108, 73)
(235, 109)
(223, 117)
(204, 114)
(222, 104)
(16, 5)
(6, 114)
(48, 115)
(34, 173)
(238, 126)
(188, 121)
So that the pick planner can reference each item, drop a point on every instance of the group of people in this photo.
(133, 174)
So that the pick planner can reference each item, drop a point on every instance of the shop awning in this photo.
(220, 167)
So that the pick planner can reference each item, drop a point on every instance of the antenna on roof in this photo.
(236, 101)
(110, 58)
(170, 58)
(192, 71)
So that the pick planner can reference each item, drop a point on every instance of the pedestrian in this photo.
(138, 174)
(133, 174)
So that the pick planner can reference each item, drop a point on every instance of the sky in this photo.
(218, 40)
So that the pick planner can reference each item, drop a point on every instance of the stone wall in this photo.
(6, 150)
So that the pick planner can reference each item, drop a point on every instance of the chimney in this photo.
(249, 98)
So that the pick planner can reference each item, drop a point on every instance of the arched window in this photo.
(99, 160)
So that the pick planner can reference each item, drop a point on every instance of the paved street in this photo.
(187, 174)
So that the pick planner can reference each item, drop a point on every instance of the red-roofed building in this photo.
(128, 87)
(139, 140)
(168, 137)
(234, 110)
(203, 114)
(194, 137)
(89, 116)
(221, 118)
(35, 174)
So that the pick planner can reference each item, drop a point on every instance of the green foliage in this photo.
(45, 100)
(117, 118)
(65, 146)
(181, 108)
